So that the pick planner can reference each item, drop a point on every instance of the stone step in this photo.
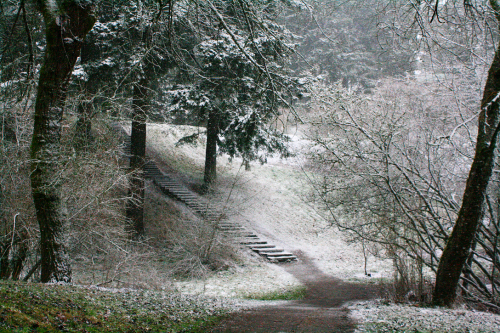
(191, 197)
(244, 234)
(176, 188)
(179, 191)
(199, 208)
(196, 207)
(268, 250)
(179, 187)
(237, 232)
(282, 259)
(256, 241)
(261, 246)
(280, 254)
(230, 228)
(193, 204)
(213, 216)
(191, 200)
(162, 183)
(230, 224)
(168, 181)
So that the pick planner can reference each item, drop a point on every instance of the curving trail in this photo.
(320, 311)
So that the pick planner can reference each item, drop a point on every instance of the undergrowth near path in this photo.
(30, 307)
(294, 293)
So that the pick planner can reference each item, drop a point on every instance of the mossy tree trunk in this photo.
(135, 205)
(66, 25)
(211, 149)
(458, 246)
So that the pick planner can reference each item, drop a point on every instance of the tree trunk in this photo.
(211, 150)
(4, 242)
(459, 244)
(66, 25)
(468, 270)
(4, 258)
(135, 205)
(20, 256)
(83, 126)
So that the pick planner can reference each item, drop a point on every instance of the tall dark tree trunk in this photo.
(20, 256)
(459, 244)
(4, 242)
(211, 150)
(4, 258)
(135, 206)
(66, 25)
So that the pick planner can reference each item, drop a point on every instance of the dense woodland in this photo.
(400, 99)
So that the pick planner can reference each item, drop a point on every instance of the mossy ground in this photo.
(296, 293)
(31, 307)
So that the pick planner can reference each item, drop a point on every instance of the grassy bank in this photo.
(30, 307)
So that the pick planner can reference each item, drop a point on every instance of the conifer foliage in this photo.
(237, 81)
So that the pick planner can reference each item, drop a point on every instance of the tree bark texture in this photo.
(66, 25)
(458, 247)
(135, 205)
(211, 149)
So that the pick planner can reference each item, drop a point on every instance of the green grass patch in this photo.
(296, 293)
(31, 307)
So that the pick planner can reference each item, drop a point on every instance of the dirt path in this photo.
(320, 311)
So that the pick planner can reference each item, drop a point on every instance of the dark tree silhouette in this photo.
(66, 25)
(459, 244)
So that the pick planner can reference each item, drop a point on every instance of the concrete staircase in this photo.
(176, 190)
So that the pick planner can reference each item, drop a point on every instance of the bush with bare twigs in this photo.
(391, 171)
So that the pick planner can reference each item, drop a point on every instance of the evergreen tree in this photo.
(238, 82)
(344, 41)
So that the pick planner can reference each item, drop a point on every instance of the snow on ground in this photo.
(248, 281)
(271, 200)
(375, 316)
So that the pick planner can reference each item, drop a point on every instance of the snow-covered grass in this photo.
(380, 316)
(240, 282)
